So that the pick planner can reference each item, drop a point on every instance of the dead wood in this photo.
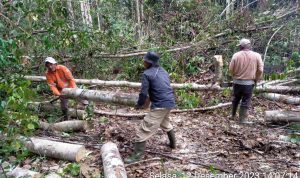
(282, 98)
(282, 116)
(112, 162)
(59, 150)
(65, 126)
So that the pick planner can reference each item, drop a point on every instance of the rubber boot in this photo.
(65, 114)
(139, 148)
(243, 115)
(233, 110)
(172, 139)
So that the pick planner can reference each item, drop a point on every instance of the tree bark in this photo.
(65, 126)
(21, 172)
(76, 113)
(282, 116)
(101, 96)
(59, 150)
(282, 98)
(112, 162)
(277, 89)
(85, 13)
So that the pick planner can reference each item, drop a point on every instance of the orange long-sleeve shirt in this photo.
(59, 79)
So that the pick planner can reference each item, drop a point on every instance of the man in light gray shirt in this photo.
(246, 68)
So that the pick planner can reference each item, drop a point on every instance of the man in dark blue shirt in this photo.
(156, 84)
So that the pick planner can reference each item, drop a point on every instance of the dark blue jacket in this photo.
(156, 83)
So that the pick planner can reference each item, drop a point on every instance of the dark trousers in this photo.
(64, 104)
(242, 92)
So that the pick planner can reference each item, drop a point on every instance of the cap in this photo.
(50, 60)
(151, 57)
(244, 42)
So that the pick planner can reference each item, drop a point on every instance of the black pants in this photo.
(244, 93)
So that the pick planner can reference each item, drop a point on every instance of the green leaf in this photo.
(30, 126)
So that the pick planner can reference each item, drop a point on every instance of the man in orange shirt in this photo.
(59, 77)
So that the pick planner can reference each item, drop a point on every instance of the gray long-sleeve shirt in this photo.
(156, 83)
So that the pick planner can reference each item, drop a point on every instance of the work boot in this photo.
(65, 114)
(243, 115)
(233, 110)
(139, 148)
(172, 139)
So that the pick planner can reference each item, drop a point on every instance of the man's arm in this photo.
(260, 68)
(231, 66)
(69, 77)
(144, 92)
(52, 86)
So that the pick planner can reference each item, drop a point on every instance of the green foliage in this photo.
(16, 119)
(72, 168)
(187, 100)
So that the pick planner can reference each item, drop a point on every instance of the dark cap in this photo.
(151, 57)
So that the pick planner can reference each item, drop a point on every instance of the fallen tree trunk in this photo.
(172, 111)
(277, 89)
(282, 98)
(282, 116)
(46, 106)
(21, 172)
(190, 86)
(65, 126)
(59, 150)
(101, 96)
(112, 162)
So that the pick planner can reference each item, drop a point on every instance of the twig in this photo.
(270, 42)
(251, 149)
(143, 161)
(193, 162)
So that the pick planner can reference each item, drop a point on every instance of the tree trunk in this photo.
(282, 98)
(188, 86)
(138, 20)
(85, 13)
(76, 113)
(21, 172)
(59, 150)
(219, 69)
(65, 126)
(71, 13)
(282, 116)
(277, 89)
(112, 162)
(101, 96)
(98, 16)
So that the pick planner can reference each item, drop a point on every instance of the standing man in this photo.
(156, 83)
(246, 68)
(59, 77)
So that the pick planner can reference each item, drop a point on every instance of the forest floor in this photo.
(208, 143)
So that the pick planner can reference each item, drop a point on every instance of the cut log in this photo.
(189, 86)
(21, 172)
(59, 150)
(46, 106)
(112, 162)
(282, 98)
(282, 116)
(101, 96)
(65, 126)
